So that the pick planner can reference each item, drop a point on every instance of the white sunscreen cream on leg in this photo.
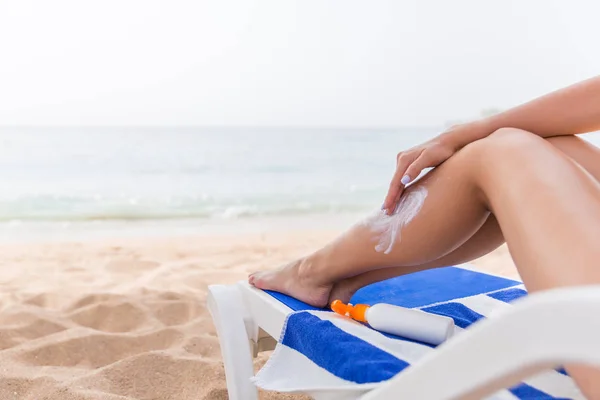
(387, 228)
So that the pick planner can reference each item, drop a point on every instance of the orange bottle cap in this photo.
(340, 308)
(356, 312)
(359, 312)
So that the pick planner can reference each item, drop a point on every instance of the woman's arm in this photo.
(569, 111)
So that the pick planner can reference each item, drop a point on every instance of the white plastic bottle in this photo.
(406, 322)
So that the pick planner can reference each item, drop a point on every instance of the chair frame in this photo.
(541, 331)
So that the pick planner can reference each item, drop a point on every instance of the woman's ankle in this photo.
(312, 269)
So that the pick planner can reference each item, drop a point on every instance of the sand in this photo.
(126, 318)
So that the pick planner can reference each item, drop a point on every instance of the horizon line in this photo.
(214, 126)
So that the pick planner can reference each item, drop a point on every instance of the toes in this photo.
(253, 278)
(258, 282)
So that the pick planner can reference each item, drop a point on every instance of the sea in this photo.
(57, 181)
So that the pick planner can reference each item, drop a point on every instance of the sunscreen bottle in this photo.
(406, 322)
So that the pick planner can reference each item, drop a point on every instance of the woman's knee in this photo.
(513, 140)
(502, 155)
(501, 146)
(519, 145)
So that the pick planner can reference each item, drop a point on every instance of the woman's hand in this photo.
(411, 162)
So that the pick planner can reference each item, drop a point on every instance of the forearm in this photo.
(569, 111)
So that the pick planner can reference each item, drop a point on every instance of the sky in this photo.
(286, 63)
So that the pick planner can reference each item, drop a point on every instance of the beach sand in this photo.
(126, 318)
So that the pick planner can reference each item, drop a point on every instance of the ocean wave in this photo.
(78, 209)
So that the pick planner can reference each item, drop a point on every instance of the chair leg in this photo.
(227, 310)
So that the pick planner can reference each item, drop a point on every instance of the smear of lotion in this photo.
(388, 227)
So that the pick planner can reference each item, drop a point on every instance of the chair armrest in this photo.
(541, 331)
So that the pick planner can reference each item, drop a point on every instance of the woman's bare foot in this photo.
(294, 279)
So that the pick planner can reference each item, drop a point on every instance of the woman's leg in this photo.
(462, 191)
(487, 239)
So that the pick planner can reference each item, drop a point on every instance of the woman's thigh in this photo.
(582, 152)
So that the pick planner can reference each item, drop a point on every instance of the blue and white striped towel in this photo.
(330, 356)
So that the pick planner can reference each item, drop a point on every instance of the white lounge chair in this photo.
(538, 333)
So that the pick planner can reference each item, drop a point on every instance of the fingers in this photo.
(415, 168)
(394, 188)
(406, 172)
(396, 185)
